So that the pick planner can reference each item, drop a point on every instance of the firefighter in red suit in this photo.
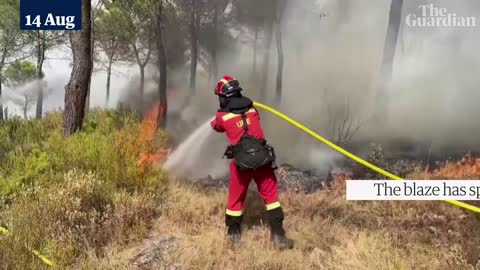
(229, 120)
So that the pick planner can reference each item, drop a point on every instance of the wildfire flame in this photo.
(339, 178)
(467, 167)
(147, 133)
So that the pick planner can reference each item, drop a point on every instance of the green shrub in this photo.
(37, 154)
(68, 196)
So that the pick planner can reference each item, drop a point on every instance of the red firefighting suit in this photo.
(264, 177)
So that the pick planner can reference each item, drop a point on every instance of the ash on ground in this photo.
(294, 179)
(289, 178)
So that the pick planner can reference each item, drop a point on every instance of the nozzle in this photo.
(274, 165)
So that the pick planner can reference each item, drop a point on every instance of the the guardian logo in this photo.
(432, 16)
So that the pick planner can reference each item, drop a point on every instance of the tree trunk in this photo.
(344, 12)
(25, 108)
(194, 45)
(39, 109)
(391, 39)
(266, 60)
(141, 90)
(41, 40)
(386, 72)
(215, 47)
(254, 67)
(162, 67)
(77, 88)
(141, 65)
(92, 46)
(1, 101)
(279, 87)
(87, 102)
(2, 63)
(109, 77)
(278, 35)
(142, 84)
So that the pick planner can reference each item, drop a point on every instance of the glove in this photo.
(229, 152)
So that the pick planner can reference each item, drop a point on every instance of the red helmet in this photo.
(227, 87)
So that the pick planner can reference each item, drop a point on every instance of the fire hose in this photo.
(352, 156)
(48, 262)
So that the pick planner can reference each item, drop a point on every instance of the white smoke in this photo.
(333, 53)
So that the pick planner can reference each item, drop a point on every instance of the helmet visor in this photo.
(230, 87)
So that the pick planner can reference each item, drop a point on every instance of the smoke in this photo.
(432, 96)
(333, 54)
(20, 100)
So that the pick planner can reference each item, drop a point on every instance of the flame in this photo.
(339, 178)
(147, 133)
(149, 123)
(467, 167)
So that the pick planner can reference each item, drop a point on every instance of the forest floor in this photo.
(329, 233)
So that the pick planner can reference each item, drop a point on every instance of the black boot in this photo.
(234, 232)
(278, 238)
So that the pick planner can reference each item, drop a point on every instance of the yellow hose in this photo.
(350, 155)
(4, 231)
(40, 256)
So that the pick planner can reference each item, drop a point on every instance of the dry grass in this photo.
(329, 232)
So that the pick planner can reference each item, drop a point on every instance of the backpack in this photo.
(251, 153)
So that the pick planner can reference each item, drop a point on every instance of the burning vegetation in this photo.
(466, 168)
(148, 129)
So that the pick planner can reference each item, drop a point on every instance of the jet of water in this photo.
(184, 157)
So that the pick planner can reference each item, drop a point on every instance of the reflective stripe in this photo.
(224, 81)
(234, 213)
(272, 206)
(229, 116)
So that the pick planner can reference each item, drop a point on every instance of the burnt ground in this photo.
(289, 178)
(402, 164)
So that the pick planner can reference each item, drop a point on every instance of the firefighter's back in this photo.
(233, 125)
